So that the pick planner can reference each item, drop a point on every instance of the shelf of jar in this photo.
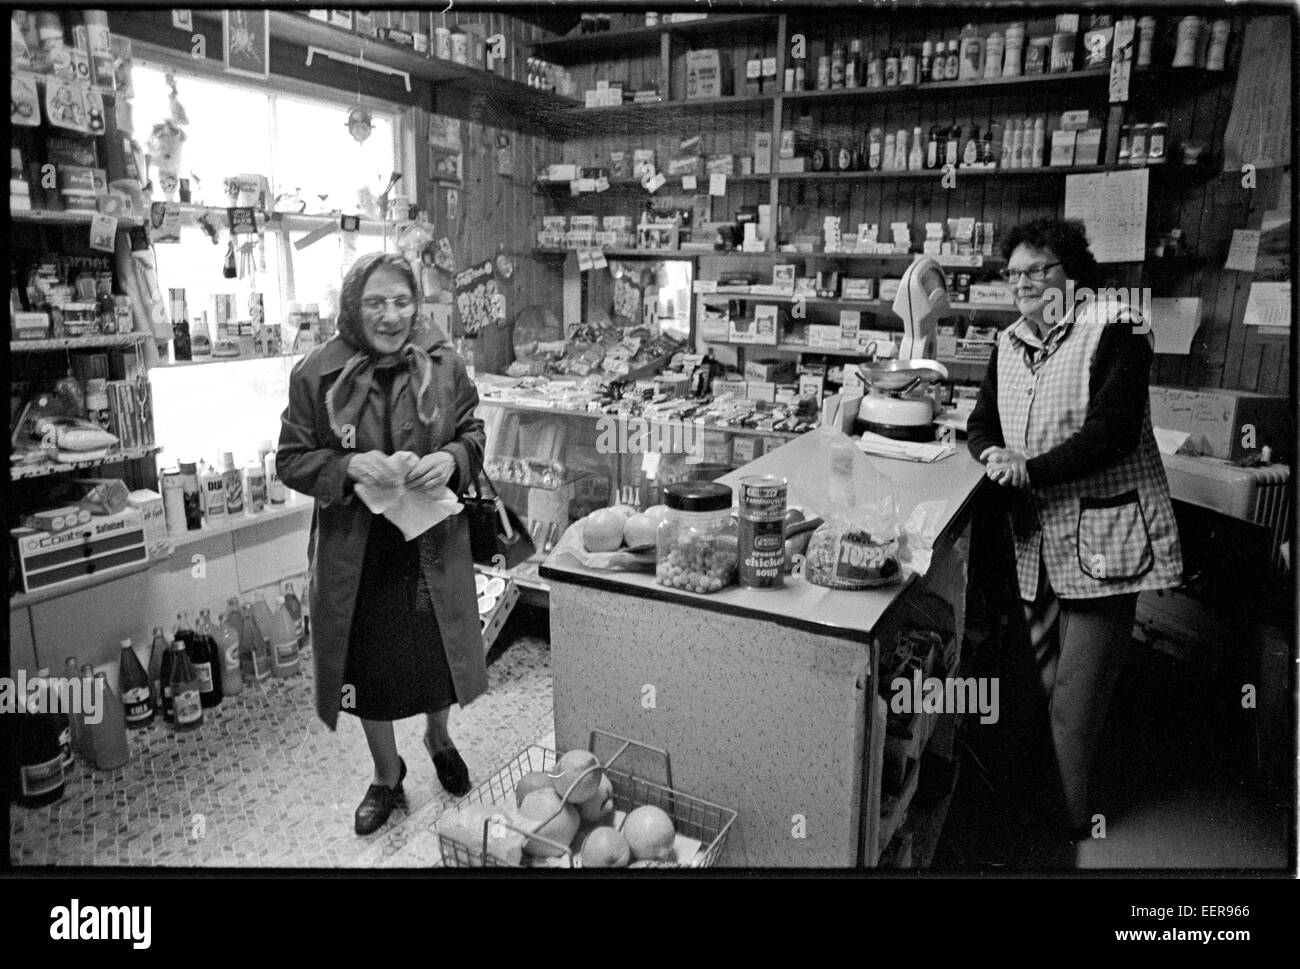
(294, 504)
(20, 472)
(985, 87)
(74, 217)
(577, 48)
(20, 600)
(78, 342)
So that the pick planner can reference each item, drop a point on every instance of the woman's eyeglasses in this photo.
(374, 304)
(1034, 273)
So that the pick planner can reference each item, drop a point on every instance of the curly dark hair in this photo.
(1066, 238)
(354, 285)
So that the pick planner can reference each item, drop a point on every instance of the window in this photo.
(302, 145)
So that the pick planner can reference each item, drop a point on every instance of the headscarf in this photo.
(351, 390)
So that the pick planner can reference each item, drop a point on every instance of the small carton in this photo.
(705, 76)
(1063, 143)
(763, 153)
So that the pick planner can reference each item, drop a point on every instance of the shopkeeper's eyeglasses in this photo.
(403, 304)
(1035, 273)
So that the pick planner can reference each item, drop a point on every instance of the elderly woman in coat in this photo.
(395, 623)
(1063, 422)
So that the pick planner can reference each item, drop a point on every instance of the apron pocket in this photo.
(1112, 538)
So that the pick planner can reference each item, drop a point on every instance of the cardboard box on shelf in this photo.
(1225, 424)
(706, 75)
(760, 390)
(770, 371)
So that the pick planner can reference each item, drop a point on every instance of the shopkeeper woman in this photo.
(1063, 421)
(395, 622)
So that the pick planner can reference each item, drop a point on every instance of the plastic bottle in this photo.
(933, 154)
(294, 605)
(916, 156)
(233, 482)
(1008, 140)
(275, 492)
(187, 707)
(108, 736)
(926, 67)
(971, 151)
(284, 641)
(1014, 54)
(887, 160)
(227, 635)
(993, 50)
(971, 65)
(207, 660)
(1146, 40)
(157, 650)
(1017, 143)
(254, 655)
(40, 759)
(213, 486)
(876, 145)
(952, 66)
(1039, 143)
(875, 70)
(1217, 56)
(137, 693)
(255, 486)
(853, 66)
(900, 150)
(951, 146)
(1189, 35)
(907, 68)
(837, 67)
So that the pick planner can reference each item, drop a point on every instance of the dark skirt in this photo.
(396, 663)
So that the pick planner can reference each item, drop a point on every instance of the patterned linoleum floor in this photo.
(265, 784)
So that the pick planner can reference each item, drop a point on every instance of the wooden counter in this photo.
(765, 700)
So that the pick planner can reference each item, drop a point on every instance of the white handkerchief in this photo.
(414, 511)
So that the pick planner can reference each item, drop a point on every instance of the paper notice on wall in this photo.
(1269, 305)
(718, 184)
(1113, 208)
(1259, 128)
(1244, 249)
(688, 183)
(1173, 323)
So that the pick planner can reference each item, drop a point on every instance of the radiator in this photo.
(1258, 495)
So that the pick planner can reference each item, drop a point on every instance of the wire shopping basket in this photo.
(692, 817)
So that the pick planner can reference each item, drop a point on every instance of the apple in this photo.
(529, 783)
(600, 806)
(570, 780)
(650, 834)
(559, 822)
(639, 531)
(602, 530)
(605, 848)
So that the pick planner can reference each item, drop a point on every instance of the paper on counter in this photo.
(1243, 251)
(887, 447)
(414, 511)
(1168, 441)
(1174, 322)
(1269, 305)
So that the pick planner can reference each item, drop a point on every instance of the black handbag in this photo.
(495, 532)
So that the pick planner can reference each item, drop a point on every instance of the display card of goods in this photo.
(619, 539)
(576, 812)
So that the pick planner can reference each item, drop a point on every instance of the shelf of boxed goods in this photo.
(551, 187)
(20, 600)
(50, 217)
(20, 472)
(581, 47)
(78, 342)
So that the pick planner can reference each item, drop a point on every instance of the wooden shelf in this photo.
(49, 217)
(20, 472)
(587, 121)
(78, 342)
(872, 304)
(992, 87)
(634, 185)
(576, 48)
(938, 173)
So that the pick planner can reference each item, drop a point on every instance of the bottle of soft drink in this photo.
(253, 653)
(227, 635)
(40, 758)
(108, 734)
(56, 702)
(202, 650)
(294, 606)
(187, 708)
(284, 641)
(157, 650)
(165, 671)
(137, 696)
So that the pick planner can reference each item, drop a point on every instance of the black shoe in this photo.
(378, 804)
(452, 772)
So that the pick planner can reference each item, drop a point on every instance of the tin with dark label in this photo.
(761, 532)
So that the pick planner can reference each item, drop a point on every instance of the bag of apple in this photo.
(857, 545)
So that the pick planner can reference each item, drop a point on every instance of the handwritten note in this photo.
(1244, 249)
(1174, 322)
(1269, 305)
(1113, 207)
(1259, 128)
(718, 184)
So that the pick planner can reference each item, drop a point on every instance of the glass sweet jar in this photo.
(696, 540)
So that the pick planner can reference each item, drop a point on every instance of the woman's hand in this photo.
(372, 468)
(1007, 468)
(433, 471)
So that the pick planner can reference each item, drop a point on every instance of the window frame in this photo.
(280, 230)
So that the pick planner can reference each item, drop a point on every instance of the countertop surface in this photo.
(800, 603)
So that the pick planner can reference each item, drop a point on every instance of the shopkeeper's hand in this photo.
(1006, 467)
(433, 471)
(372, 468)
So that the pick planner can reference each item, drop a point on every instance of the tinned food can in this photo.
(761, 532)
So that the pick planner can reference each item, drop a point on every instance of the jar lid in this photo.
(697, 496)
